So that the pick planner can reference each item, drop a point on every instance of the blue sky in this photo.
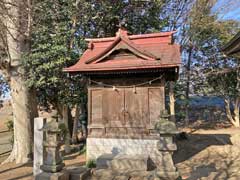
(228, 9)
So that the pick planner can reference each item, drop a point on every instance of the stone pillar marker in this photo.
(52, 161)
(38, 141)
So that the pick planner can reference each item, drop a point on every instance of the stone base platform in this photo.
(63, 175)
(134, 167)
(98, 146)
(107, 174)
(127, 162)
(127, 158)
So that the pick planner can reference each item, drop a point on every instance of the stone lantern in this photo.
(166, 146)
(166, 127)
(52, 160)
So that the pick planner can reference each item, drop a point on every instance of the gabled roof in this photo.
(129, 52)
(233, 46)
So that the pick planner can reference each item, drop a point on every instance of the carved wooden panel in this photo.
(156, 104)
(113, 107)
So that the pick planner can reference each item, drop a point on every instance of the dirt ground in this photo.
(212, 154)
(5, 135)
(5, 115)
(12, 171)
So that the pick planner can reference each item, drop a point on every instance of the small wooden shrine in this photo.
(127, 75)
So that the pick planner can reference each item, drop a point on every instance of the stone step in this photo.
(125, 162)
(134, 163)
(104, 160)
(107, 174)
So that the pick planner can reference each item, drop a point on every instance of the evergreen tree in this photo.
(206, 62)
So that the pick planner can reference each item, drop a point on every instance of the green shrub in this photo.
(82, 150)
(91, 163)
(9, 125)
(64, 130)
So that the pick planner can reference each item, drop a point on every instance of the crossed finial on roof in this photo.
(122, 32)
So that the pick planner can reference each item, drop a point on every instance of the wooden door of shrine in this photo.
(136, 107)
(113, 108)
(124, 111)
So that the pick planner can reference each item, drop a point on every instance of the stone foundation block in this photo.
(104, 174)
(104, 160)
(163, 160)
(63, 175)
(122, 177)
(78, 173)
(127, 162)
(52, 168)
(99, 146)
(167, 175)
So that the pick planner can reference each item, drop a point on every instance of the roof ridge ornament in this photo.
(90, 45)
(122, 32)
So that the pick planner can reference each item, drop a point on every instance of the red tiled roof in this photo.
(144, 51)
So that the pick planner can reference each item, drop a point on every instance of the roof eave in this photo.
(233, 46)
(78, 70)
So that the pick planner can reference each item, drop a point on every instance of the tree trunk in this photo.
(233, 118)
(236, 111)
(83, 123)
(188, 86)
(75, 125)
(65, 117)
(33, 104)
(23, 100)
(172, 100)
(23, 120)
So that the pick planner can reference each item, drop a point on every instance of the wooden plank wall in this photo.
(124, 112)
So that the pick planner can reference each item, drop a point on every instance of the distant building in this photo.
(207, 108)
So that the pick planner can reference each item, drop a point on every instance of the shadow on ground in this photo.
(23, 177)
(196, 143)
(208, 157)
(16, 167)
